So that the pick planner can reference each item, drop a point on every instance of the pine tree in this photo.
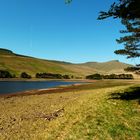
(129, 13)
(131, 41)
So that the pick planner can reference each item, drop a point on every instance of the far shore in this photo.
(73, 80)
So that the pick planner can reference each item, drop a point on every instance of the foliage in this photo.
(124, 9)
(137, 72)
(111, 76)
(132, 69)
(94, 76)
(129, 13)
(25, 75)
(48, 75)
(6, 74)
(120, 76)
(67, 77)
(53, 76)
(132, 40)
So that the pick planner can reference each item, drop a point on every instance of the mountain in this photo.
(113, 66)
(16, 64)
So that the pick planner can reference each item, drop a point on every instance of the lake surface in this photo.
(7, 87)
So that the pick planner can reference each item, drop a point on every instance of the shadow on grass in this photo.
(132, 93)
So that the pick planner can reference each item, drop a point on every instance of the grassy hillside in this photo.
(112, 66)
(18, 63)
(106, 110)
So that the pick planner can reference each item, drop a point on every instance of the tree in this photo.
(66, 76)
(124, 9)
(6, 74)
(131, 41)
(129, 13)
(25, 75)
(94, 76)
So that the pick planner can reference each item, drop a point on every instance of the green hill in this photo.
(16, 64)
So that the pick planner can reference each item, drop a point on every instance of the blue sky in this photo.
(51, 29)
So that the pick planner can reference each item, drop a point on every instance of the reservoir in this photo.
(7, 87)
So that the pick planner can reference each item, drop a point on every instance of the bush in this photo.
(94, 76)
(49, 75)
(132, 69)
(52, 76)
(111, 76)
(25, 75)
(6, 74)
(66, 77)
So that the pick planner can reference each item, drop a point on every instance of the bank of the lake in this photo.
(24, 88)
(9, 86)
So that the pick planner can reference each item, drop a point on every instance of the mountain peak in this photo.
(114, 61)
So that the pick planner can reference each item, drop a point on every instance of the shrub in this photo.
(111, 76)
(66, 77)
(6, 74)
(25, 75)
(52, 76)
(94, 76)
(49, 75)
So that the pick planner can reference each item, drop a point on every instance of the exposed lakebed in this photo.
(7, 87)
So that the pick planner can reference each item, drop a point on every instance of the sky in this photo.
(50, 29)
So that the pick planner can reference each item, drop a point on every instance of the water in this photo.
(7, 87)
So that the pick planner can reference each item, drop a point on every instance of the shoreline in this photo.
(61, 88)
(66, 80)
(85, 84)
(32, 80)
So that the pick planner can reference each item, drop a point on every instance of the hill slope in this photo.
(18, 63)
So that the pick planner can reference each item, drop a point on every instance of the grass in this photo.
(18, 63)
(87, 114)
(110, 66)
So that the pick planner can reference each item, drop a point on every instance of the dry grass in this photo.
(87, 115)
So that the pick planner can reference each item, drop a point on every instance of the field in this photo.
(104, 110)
